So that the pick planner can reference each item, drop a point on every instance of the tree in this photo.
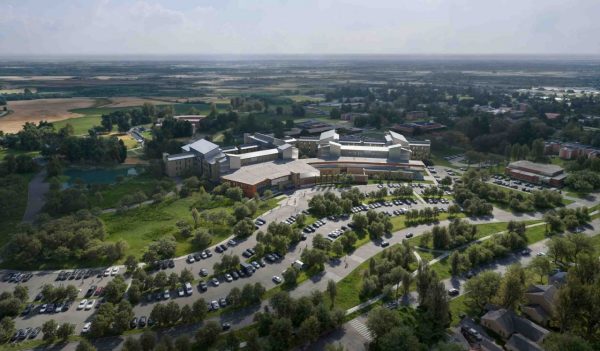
(132, 344)
(208, 334)
(564, 342)
(309, 329)
(436, 317)
(360, 222)
(183, 343)
(332, 291)
(399, 338)
(541, 265)
(200, 309)
(201, 239)
(21, 292)
(85, 345)
(65, 330)
(512, 287)
(290, 276)
(115, 289)
(186, 276)
(49, 329)
(7, 329)
(455, 262)
(482, 288)
(131, 263)
(54, 167)
(381, 321)
(148, 340)
(134, 294)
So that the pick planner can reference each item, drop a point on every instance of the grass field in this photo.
(140, 226)
(115, 192)
(5, 152)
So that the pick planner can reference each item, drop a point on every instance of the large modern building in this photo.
(536, 173)
(265, 162)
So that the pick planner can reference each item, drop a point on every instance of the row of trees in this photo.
(388, 270)
(286, 323)
(417, 329)
(457, 233)
(74, 237)
(11, 303)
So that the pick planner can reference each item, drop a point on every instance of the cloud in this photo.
(302, 26)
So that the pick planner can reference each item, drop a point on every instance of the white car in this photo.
(86, 327)
(276, 279)
(90, 304)
(107, 272)
(82, 304)
(228, 278)
(114, 271)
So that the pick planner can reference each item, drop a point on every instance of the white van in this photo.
(298, 264)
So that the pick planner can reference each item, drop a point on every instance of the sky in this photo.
(238, 27)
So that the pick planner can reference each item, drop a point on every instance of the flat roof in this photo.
(366, 160)
(257, 173)
(257, 153)
(545, 169)
(180, 156)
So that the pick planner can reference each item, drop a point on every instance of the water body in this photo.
(99, 175)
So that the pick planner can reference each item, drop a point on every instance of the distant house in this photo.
(541, 303)
(520, 333)
(552, 116)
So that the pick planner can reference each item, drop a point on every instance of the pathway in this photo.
(36, 196)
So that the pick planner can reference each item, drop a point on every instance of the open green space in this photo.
(110, 195)
(5, 152)
(141, 226)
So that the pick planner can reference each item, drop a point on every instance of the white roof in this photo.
(202, 146)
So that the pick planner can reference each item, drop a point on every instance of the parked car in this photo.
(453, 292)
(133, 323)
(142, 322)
(90, 304)
(203, 272)
(86, 328)
(82, 304)
(276, 279)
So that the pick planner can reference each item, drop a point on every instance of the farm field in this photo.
(50, 110)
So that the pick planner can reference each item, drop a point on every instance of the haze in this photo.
(105, 27)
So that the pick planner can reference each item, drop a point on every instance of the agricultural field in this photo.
(34, 111)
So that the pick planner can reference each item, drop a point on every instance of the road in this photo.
(294, 204)
(352, 334)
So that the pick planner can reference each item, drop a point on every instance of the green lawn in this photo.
(140, 226)
(80, 125)
(458, 306)
(111, 195)
(5, 152)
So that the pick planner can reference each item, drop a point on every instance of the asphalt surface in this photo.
(294, 204)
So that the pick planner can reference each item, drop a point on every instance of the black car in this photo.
(35, 332)
(218, 249)
(197, 257)
(50, 308)
(142, 322)
(87, 274)
(164, 264)
(171, 264)
(203, 286)
(270, 258)
(247, 254)
(27, 309)
(150, 322)
(235, 275)
(223, 247)
(208, 253)
(90, 291)
(133, 323)
(241, 273)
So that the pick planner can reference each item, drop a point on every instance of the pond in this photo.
(99, 175)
